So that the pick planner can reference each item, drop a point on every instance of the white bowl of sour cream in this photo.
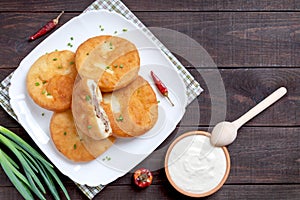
(194, 167)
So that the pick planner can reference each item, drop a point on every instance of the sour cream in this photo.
(195, 166)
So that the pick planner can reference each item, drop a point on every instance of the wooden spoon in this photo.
(224, 133)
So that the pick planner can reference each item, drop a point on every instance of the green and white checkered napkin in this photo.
(193, 87)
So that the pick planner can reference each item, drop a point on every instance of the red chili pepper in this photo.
(142, 177)
(46, 28)
(161, 87)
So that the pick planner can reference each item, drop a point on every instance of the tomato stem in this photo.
(143, 177)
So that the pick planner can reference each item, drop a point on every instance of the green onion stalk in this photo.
(35, 168)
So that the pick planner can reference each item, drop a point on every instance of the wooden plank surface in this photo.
(167, 192)
(254, 44)
(244, 89)
(227, 192)
(162, 5)
(232, 39)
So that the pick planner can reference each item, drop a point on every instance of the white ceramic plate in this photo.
(126, 153)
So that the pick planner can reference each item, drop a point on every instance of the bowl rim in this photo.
(210, 192)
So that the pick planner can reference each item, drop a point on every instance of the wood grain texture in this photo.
(227, 192)
(44, 5)
(244, 89)
(237, 39)
(167, 192)
(254, 44)
(161, 5)
(242, 39)
(15, 31)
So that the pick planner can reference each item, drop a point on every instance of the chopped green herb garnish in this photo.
(110, 45)
(106, 158)
(48, 94)
(87, 97)
(158, 101)
(59, 67)
(65, 133)
(43, 114)
(121, 66)
(120, 118)
(43, 92)
(107, 67)
(101, 28)
(115, 66)
(71, 38)
(74, 146)
(44, 82)
(124, 30)
(89, 127)
(70, 45)
(72, 63)
(115, 32)
(37, 84)
(54, 59)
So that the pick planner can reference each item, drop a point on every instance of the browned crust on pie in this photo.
(138, 109)
(50, 80)
(112, 61)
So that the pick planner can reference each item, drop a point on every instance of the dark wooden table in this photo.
(256, 46)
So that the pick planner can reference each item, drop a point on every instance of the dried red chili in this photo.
(46, 28)
(161, 87)
(142, 178)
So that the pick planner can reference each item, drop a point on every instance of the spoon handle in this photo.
(272, 98)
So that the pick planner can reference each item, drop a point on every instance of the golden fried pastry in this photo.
(50, 80)
(89, 116)
(70, 144)
(66, 139)
(96, 147)
(132, 110)
(111, 61)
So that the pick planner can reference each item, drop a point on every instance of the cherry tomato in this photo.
(142, 178)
